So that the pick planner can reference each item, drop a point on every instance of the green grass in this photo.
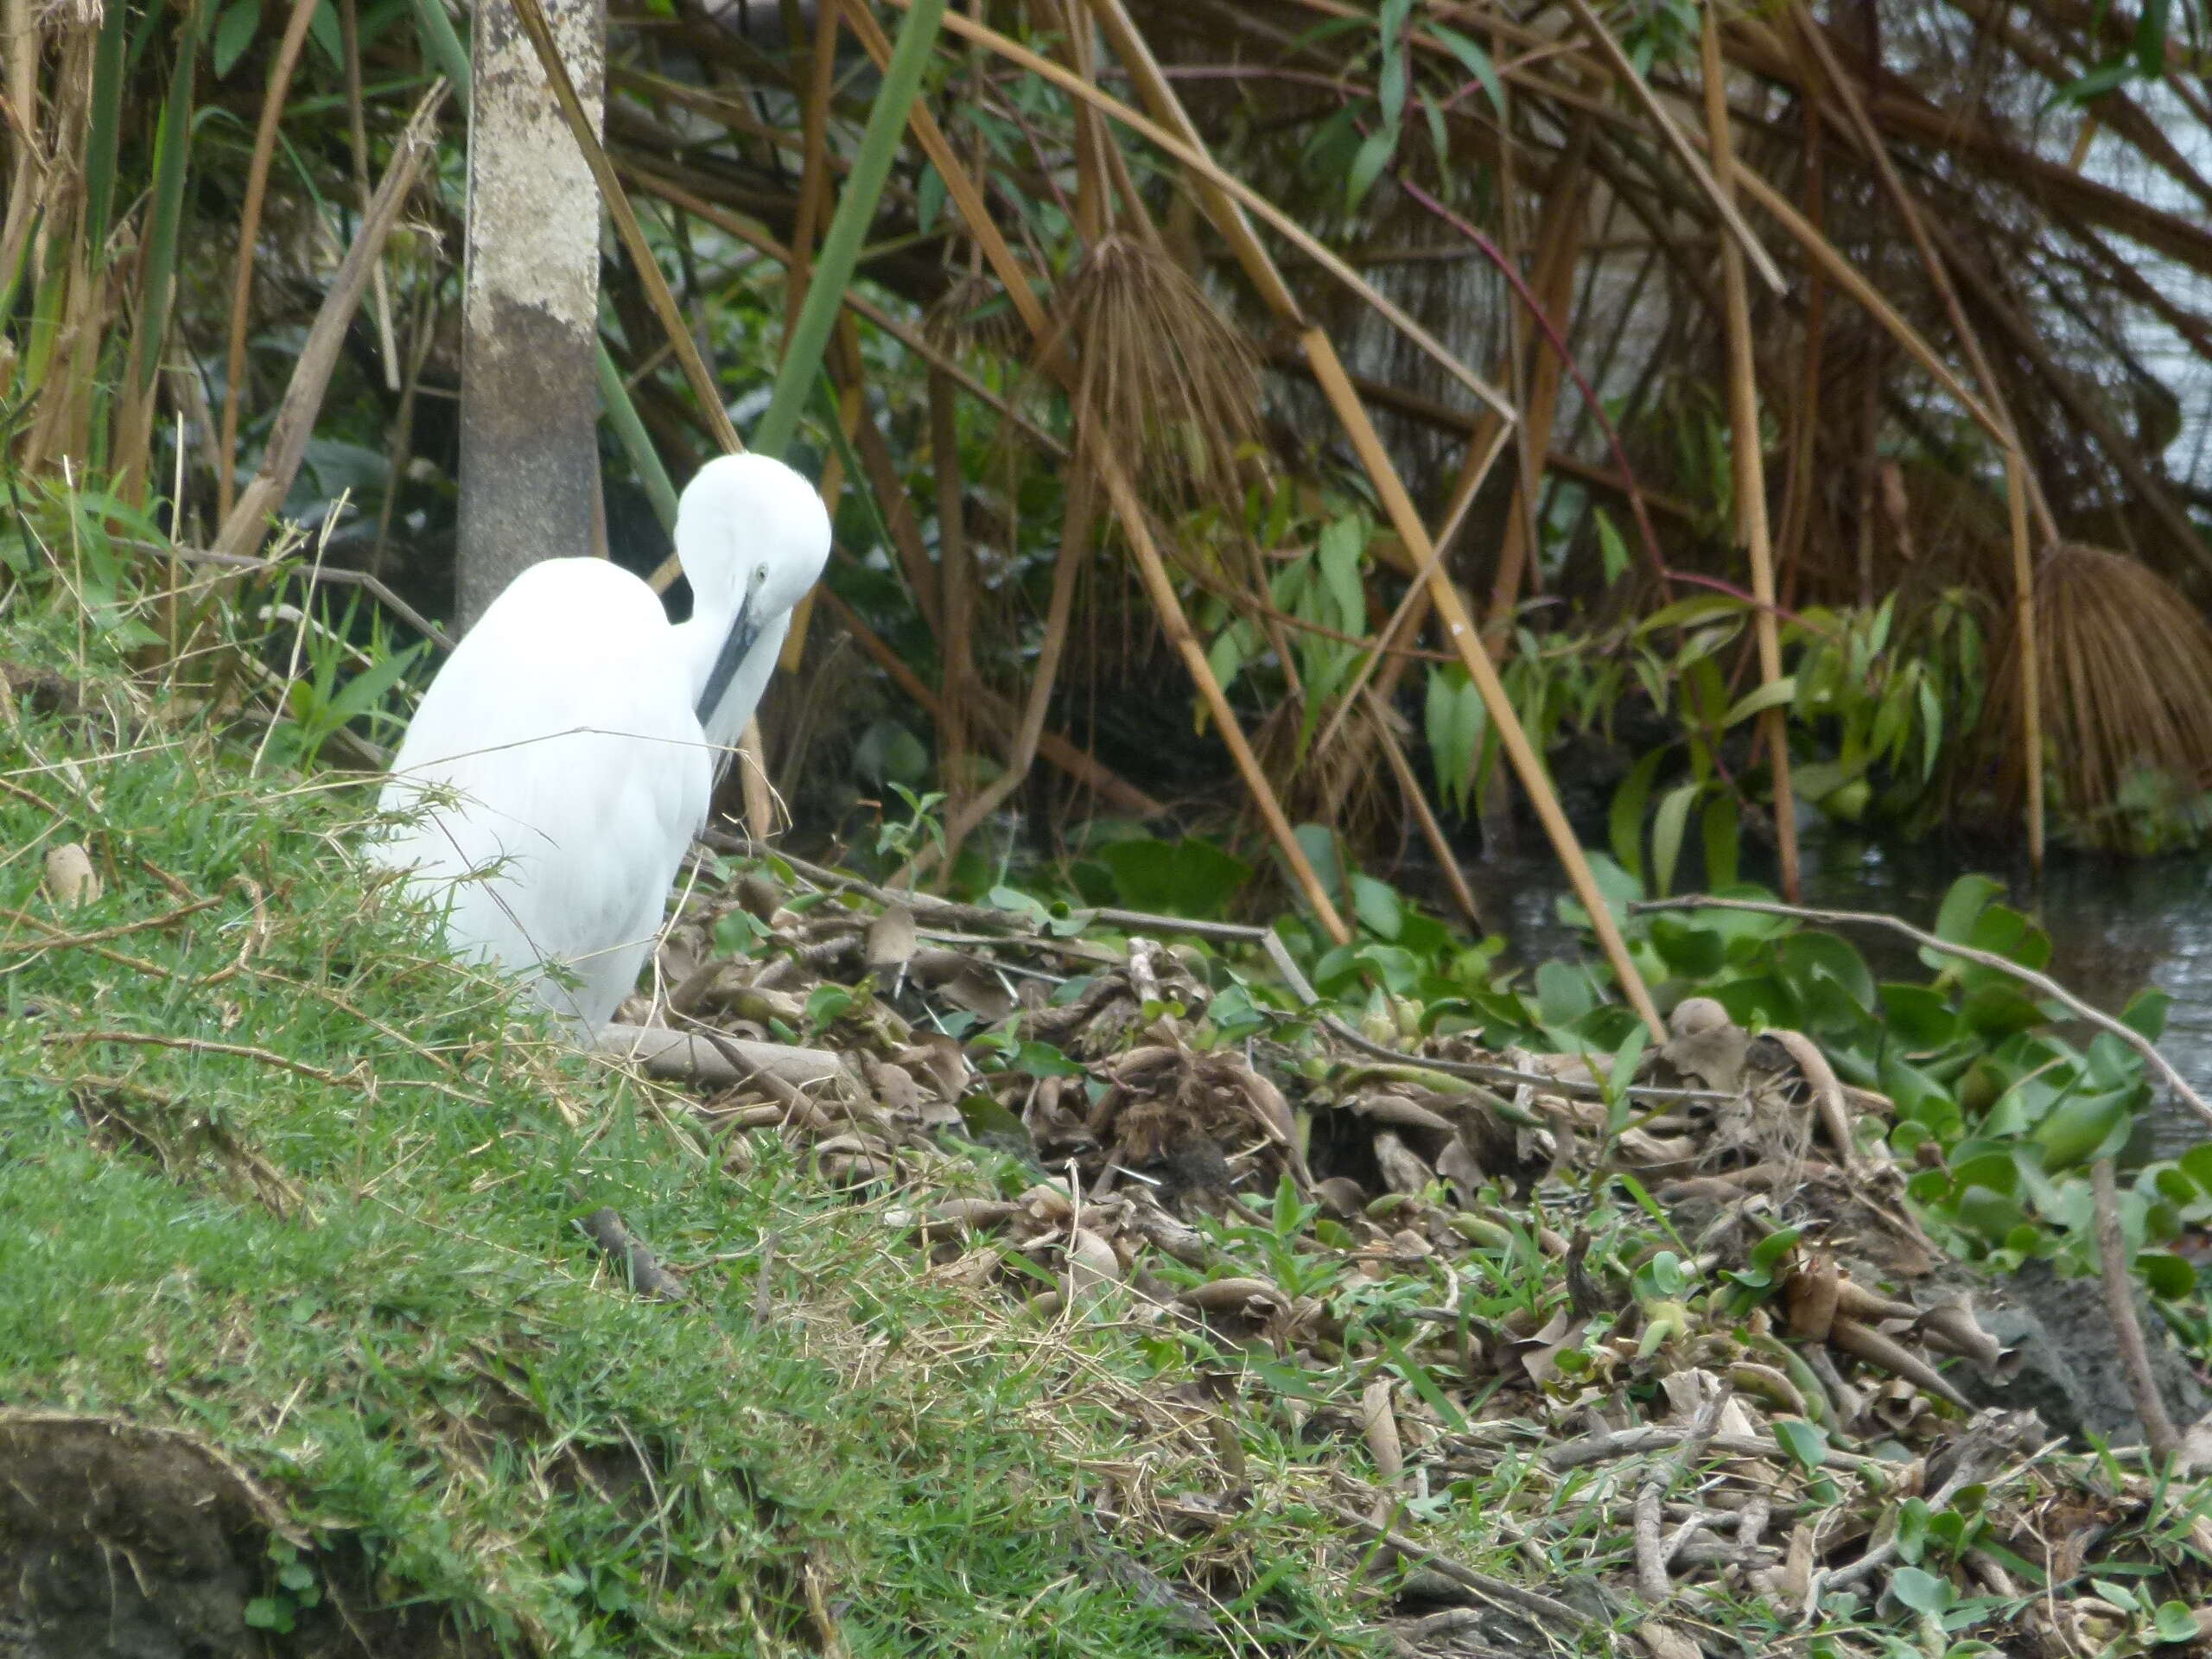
(368, 1288)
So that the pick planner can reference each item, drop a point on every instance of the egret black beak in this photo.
(744, 630)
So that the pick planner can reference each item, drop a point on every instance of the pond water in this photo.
(2115, 926)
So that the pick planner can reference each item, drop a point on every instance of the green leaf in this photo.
(1476, 60)
(234, 31)
(1962, 906)
(1377, 905)
(1367, 165)
(1342, 545)
(929, 197)
(269, 1613)
(1190, 877)
(1612, 551)
(1723, 837)
(2169, 1276)
(1563, 993)
(1806, 1443)
(2145, 1013)
(2175, 1623)
(1922, 1591)
(1774, 694)
(1667, 830)
(1625, 820)
(323, 28)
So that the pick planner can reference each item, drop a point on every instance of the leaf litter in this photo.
(1669, 1343)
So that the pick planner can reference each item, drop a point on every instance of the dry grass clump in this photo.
(2127, 675)
(1163, 381)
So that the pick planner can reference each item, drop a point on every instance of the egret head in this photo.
(752, 537)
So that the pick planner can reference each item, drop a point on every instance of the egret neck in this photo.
(737, 643)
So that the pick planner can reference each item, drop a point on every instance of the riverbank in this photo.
(1108, 1298)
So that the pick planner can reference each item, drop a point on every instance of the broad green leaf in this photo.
(1806, 1442)
(1667, 835)
(234, 31)
(1625, 820)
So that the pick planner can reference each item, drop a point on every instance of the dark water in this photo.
(2115, 926)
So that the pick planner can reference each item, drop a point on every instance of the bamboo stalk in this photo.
(256, 188)
(1749, 453)
(2023, 601)
(1459, 630)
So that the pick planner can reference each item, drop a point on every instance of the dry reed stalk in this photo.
(1460, 631)
(1877, 155)
(1358, 427)
(248, 520)
(1749, 455)
(2125, 667)
(19, 27)
(1559, 237)
(2024, 611)
(357, 133)
(1076, 526)
(957, 588)
(256, 188)
(960, 187)
(1103, 781)
(2160, 1438)
(813, 175)
(531, 15)
(1210, 174)
(1670, 130)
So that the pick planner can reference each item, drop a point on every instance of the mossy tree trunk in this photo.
(529, 453)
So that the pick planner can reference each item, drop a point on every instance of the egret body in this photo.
(563, 757)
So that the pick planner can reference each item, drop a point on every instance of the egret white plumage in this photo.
(563, 757)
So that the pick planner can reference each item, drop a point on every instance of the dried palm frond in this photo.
(2126, 675)
(974, 314)
(1162, 381)
(1342, 783)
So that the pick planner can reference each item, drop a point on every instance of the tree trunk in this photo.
(529, 320)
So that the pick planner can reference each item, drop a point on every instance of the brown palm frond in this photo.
(2126, 692)
(1162, 380)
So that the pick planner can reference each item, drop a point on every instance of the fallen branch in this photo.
(1554, 1612)
(2041, 982)
(202, 1046)
(648, 1278)
(691, 1056)
(2158, 1434)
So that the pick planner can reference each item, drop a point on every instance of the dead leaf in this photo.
(71, 881)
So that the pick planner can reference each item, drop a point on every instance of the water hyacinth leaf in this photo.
(1920, 1017)
(2145, 1013)
(1962, 905)
(2169, 1276)
(1190, 877)
(1378, 905)
(1804, 958)
(1688, 950)
(1563, 993)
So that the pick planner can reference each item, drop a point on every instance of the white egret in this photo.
(563, 757)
